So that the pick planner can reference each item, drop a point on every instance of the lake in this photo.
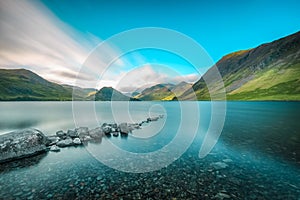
(257, 155)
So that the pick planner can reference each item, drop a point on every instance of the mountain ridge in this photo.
(270, 71)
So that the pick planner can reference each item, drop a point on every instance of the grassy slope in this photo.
(22, 84)
(269, 72)
(177, 91)
(80, 94)
(110, 94)
(271, 84)
(155, 93)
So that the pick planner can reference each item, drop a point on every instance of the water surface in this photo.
(259, 144)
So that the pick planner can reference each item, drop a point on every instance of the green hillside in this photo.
(111, 94)
(268, 72)
(21, 85)
(156, 92)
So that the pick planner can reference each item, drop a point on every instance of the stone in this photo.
(150, 119)
(113, 125)
(82, 131)
(96, 133)
(221, 195)
(219, 165)
(227, 160)
(134, 126)
(106, 129)
(86, 138)
(65, 142)
(76, 141)
(72, 134)
(104, 124)
(54, 148)
(124, 129)
(60, 134)
(20, 144)
(52, 140)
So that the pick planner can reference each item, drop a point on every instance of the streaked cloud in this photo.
(145, 76)
(32, 37)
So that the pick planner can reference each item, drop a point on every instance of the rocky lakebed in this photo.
(240, 166)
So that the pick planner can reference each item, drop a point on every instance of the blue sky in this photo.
(53, 38)
(219, 26)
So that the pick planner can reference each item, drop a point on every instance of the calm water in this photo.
(260, 145)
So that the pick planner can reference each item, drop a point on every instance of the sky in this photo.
(53, 38)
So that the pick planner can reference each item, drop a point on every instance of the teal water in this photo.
(260, 145)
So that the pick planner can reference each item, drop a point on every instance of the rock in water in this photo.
(107, 129)
(52, 140)
(65, 143)
(219, 165)
(20, 144)
(222, 196)
(77, 141)
(72, 134)
(151, 119)
(61, 134)
(96, 133)
(54, 148)
(124, 129)
(82, 131)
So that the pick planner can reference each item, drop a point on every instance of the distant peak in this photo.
(107, 88)
(182, 83)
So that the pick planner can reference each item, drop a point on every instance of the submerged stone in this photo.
(221, 195)
(219, 165)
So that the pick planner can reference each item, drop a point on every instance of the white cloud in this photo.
(144, 76)
(32, 37)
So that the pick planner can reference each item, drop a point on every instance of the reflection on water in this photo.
(17, 124)
(22, 163)
(258, 151)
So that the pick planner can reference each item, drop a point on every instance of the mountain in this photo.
(156, 92)
(80, 93)
(178, 90)
(22, 84)
(270, 71)
(164, 92)
(111, 94)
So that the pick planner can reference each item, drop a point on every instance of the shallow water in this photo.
(259, 145)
